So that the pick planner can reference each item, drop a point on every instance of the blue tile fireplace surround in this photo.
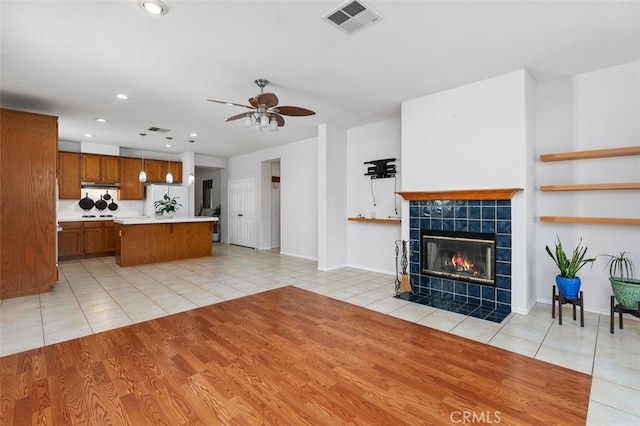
(478, 300)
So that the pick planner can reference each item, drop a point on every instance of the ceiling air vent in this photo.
(352, 16)
(158, 129)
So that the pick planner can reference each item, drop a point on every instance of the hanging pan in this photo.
(113, 206)
(107, 196)
(101, 204)
(86, 203)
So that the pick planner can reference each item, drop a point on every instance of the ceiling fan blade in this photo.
(268, 99)
(230, 103)
(237, 116)
(294, 111)
(253, 101)
(279, 119)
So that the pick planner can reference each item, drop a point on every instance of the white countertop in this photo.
(144, 220)
(84, 219)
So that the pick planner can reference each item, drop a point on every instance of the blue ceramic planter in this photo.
(568, 287)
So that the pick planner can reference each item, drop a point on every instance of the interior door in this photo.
(242, 211)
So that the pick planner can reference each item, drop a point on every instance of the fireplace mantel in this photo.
(461, 194)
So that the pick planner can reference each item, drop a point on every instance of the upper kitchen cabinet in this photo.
(69, 176)
(155, 170)
(100, 168)
(28, 153)
(176, 170)
(130, 186)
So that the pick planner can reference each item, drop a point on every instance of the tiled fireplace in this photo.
(483, 291)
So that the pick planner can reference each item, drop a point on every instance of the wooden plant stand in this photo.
(561, 301)
(621, 310)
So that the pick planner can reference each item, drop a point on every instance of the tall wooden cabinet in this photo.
(28, 155)
(130, 186)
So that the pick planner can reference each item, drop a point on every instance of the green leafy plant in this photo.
(167, 204)
(216, 211)
(620, 266)
(569, 266)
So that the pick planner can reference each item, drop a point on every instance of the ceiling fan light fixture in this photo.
(273, 124)
(264, 120)
(248, 121)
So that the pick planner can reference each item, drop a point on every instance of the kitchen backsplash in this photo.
(126, 208)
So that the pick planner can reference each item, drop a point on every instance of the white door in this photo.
(242, 211)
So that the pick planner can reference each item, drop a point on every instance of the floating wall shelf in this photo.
(373, 220)
(591, 187)
(601, 220)
(597, 153)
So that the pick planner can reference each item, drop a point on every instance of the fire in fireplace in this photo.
(463, 256)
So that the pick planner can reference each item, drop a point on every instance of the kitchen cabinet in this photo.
(176, 170)
(70, 240)
(100, 168)
(157, 170)
(79, 240)
(130, 186)
(28, 153)
(69, 176)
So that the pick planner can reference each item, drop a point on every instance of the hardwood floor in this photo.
(285, 356)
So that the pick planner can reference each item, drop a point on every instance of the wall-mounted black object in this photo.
(381, 169)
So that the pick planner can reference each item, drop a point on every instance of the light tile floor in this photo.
(95, 295)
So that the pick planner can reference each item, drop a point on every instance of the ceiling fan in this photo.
(264, 110)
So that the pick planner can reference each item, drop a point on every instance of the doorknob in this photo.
(239, 214)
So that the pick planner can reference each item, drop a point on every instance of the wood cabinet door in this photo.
(93, 238)
(130, 186)
(155, 170)
(109, 169)
(29, 152)
(70, 244)
(176, 171)
(108, 237)
(69, 176)
(91, 168)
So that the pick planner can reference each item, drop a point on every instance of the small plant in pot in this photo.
(167, 206)
(626, 289)
(567, 281)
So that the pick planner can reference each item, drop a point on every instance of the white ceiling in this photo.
(68, 58)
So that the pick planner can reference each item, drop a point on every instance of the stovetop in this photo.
(88, 215)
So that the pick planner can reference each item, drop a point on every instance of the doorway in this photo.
(242, 211)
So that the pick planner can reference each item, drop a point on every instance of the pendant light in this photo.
(169, 177)
(142, 177)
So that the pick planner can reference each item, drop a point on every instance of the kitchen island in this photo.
(143, 240)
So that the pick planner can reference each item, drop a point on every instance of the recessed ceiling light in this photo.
(121, 96)
(168, 145)
(154, 7)
(88, 135)
(193, 135)
(101, 120)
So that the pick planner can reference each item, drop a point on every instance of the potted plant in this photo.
(216, 225)
(167, 206)
(626, 289)
(567, 282)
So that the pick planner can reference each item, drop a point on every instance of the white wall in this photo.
(332, 197)
(473, 137)
(595, 110)
(371, 246)
(298, 193)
